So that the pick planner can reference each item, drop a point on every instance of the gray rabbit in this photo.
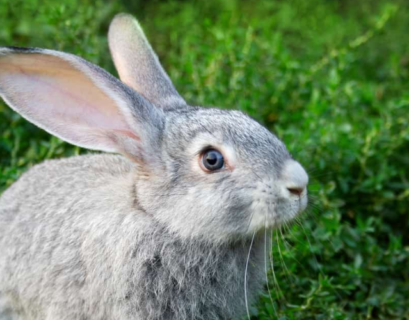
(173, 228)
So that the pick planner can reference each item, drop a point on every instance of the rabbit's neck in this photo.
(193, 280)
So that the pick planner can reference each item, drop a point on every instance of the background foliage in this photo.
(330, 77)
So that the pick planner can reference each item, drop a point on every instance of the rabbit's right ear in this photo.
(137, 64)
(79, 102)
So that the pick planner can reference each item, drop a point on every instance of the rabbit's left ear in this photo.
(137, 64)
(79, 102)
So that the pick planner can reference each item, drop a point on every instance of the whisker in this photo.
(287, 272)
(287, 247)
(265, 264)
(245, 276)
(251, 218)
(285, 225)
(318, 265)
(312, 252)
(297, 222)
(271, 256)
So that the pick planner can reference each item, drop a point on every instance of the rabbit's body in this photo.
(176, 229)
(99, 256)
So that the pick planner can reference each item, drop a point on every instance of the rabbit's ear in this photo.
(137, 64)
(77, 101)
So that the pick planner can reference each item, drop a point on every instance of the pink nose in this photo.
(295, 178)
(296, 191)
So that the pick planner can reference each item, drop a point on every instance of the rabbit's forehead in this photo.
(231, 131)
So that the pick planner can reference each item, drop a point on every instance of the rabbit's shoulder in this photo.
(68, 179)
(84, 188)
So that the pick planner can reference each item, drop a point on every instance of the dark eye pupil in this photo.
(213, 160)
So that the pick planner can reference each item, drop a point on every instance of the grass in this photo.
(330, 78)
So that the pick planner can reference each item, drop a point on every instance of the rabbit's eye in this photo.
(212, 160)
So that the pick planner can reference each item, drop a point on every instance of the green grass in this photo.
(330, 78)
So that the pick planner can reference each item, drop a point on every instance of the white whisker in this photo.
(287, 272)
(277, 285)
(265, 265)
(245, 276)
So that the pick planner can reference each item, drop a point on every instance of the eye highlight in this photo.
(211, 160)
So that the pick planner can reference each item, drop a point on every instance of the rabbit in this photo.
(169, 223)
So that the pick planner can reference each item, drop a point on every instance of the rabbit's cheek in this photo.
(263, 210)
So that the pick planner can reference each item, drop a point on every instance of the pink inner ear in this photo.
(51, 92)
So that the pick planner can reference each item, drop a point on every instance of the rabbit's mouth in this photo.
(270, 212)
(277, 202)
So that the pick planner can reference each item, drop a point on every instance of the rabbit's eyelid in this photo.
(229, 156)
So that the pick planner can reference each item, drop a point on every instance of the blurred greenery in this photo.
(329, 77)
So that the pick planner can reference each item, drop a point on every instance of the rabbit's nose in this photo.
(296, 191)
(295, 178)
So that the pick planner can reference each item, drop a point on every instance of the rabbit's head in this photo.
(203, 173)
(223, 176)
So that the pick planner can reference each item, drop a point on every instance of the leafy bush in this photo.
(331, 78)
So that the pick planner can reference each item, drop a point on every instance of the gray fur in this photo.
(71, 258)
(150, 237)
(137, 64)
